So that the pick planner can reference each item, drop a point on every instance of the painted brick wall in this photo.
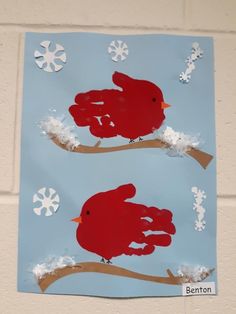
(215, 18)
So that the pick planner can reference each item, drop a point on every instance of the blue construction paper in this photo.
(160, 180)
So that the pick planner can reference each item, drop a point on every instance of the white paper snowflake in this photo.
(118, 50)
(200, 225)
(184, 77)
(197, 53)
(48, 60)
(199, 196)
(48, 201)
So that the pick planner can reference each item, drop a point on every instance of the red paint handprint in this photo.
(108, 224)
(133, 112)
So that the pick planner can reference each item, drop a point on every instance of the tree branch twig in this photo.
(201, 157)
(94, 267)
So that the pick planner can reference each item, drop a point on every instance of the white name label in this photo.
(198, 288)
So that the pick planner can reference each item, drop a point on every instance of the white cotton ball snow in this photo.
(179, 143)
(54, 127)
(193, 273)
(51, 264)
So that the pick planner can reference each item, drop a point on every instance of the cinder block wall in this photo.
(215, 18)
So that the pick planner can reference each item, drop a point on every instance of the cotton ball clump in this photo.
(179, 143)
(54, 128)
(51, 264)
(193, 273)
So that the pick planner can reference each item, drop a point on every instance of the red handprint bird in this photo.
(132, 112)
(108, 224)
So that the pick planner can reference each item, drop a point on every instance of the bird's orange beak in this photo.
(164, 105)
(78, 220)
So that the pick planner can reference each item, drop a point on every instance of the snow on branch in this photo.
(194, 273)
(46, 277)
(51, 264)
(54, 127)
(176, 143)
(179, 143)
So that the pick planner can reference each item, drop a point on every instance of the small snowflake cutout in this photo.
(184, 77)
(190, 64)
(199, 196)
(200, 225)
(197, 53)
(50, 61)
(48, 201)
(118, 50)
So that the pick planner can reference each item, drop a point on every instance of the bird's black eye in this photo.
(87, 212)
(153, 99)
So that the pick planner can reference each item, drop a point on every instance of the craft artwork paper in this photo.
(118, 166)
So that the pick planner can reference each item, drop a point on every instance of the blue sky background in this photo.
(160, 180)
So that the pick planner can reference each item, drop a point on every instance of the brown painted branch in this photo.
(93, 267)
(201, 157)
